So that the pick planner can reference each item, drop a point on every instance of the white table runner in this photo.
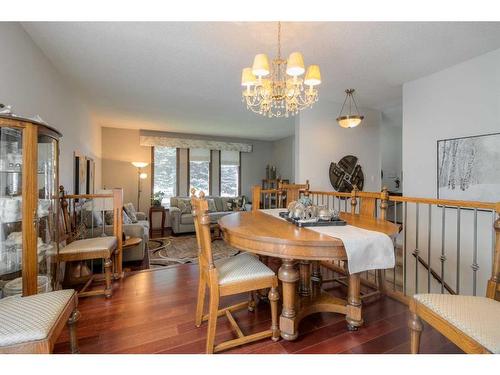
(366, 249)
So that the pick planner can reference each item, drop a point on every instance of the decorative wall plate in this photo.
(346, 174)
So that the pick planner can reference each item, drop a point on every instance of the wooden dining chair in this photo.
(32, 324)
(242, 273)
(470, 322)
(293, 191)
(76, 249)
(367, 202)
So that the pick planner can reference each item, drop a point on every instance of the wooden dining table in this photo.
(266, 235)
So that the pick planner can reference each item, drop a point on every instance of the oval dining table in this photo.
(263, 234)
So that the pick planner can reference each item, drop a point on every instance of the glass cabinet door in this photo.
(40, 201)
(11, 162)
(47, 223)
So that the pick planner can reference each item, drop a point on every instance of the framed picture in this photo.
(468, 168)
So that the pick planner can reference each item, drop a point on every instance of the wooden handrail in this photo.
(396, 198)
(87, 196)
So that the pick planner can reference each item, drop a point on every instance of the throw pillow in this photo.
(91, 218)
(211, 205)
(185, 206)
(109, 218)
(130, 210)
(126, 218)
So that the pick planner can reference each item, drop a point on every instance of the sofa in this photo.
(182, 218)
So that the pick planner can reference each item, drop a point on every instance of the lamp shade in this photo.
(313, 76)
(349, 121)
(247, 77)
(260, 67)
(143, 176)
(295, 64)
(140, 164)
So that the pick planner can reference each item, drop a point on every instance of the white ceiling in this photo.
(185, 76)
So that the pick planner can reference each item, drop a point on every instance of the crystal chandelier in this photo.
(279, 91)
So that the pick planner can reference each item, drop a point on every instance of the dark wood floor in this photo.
(152, 312)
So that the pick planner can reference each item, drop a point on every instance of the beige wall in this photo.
(120, 147)
(31, 84)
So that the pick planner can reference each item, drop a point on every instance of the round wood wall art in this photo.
(346, 174)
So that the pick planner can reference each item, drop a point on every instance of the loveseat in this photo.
(182, 218)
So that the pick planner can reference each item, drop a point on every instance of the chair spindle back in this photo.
(202, 227)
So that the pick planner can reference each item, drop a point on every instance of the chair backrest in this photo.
(368, 202)
(293, 191)
(493, 288)
(202, 227)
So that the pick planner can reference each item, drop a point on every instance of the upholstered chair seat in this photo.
(477, 317)
(32, 318)
(240, 268)
(90, 248)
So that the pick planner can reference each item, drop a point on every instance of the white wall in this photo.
(391, 153)
(459, 101)
(319, 140)
(30, 83)
(462, 100)
(283, 157)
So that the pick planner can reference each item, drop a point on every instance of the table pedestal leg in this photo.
(305, 278)
(288, 275)
(353, 317)
(316, 277)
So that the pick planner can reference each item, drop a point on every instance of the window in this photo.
(165, 172)
(199, 169)
(229, 173)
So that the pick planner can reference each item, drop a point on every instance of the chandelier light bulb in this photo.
(295, 64)
(260, 67)
(313, 76)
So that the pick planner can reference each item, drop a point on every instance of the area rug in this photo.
(172, 251)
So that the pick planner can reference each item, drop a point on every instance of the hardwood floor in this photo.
(153, 311)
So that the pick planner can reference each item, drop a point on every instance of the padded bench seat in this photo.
(31, 324)
(89, 248)
(477, 317)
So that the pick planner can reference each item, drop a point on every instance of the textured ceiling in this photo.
(185, 76)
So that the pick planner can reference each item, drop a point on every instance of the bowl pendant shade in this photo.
(260, 67)
(313, 76)
(295, 64)
(349, 121)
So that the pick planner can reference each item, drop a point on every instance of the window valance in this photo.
(177, 142)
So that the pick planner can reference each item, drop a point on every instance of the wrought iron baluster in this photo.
(416, 249)
(475, 266)
(395, 217)
(458, 249)
(429, 236)
(405, 220)
(443, 235)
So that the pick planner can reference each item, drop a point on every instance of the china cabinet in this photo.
(29, 167)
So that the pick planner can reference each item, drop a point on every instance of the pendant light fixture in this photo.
(349, 120)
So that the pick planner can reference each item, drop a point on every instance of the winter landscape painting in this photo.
(469, 168)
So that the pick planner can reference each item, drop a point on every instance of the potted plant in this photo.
(157, 198)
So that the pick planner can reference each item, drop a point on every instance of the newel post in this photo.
(384, 203)
(492, 287)
(354, 200)
(256, 189)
